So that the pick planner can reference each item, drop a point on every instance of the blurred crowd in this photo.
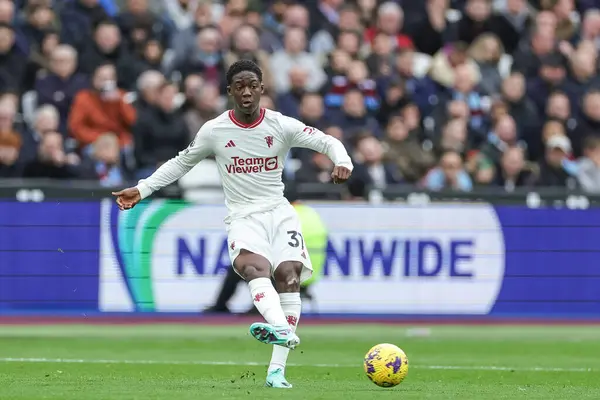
(442, 94)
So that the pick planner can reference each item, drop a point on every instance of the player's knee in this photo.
(251, 272)
(287, 277)
(252, 266)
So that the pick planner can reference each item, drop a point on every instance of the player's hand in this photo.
(340, 174)
(128, 198)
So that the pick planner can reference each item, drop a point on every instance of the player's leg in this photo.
(287, 282)
(256, 270)
(251, 253)
(292, 267)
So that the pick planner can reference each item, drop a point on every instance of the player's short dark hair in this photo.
(241, 66)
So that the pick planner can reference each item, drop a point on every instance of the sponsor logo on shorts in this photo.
(251, 165)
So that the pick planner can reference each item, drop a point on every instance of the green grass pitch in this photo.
(182, 362)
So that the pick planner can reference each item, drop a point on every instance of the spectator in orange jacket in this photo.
(101, 109)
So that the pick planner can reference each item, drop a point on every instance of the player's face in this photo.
(246, 90)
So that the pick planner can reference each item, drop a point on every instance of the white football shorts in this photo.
(276, 235)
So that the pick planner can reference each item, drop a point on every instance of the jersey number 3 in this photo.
(296, 239)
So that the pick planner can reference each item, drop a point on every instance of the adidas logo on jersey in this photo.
(230, 144)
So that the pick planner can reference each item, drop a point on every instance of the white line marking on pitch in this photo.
(240, 363)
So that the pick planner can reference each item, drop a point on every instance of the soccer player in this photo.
(263, 230)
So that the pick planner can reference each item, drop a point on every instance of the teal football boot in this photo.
(276, 379)
(277, 335)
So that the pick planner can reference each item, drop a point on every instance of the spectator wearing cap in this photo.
(159, 133)
(552, 76)
(61, 84)
(556, 169)
(101, 109)
(449, 174)
(10, 141)
(12, 61)
(588, 174)
(390, 21)
(295, 54)
(78, 19)
(108, 47)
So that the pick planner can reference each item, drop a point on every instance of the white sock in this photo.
(266, 300)
(292, 306)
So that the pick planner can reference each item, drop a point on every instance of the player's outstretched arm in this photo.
(169, 172)
(311, 138)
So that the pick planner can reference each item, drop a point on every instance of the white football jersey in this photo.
(249, 157)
